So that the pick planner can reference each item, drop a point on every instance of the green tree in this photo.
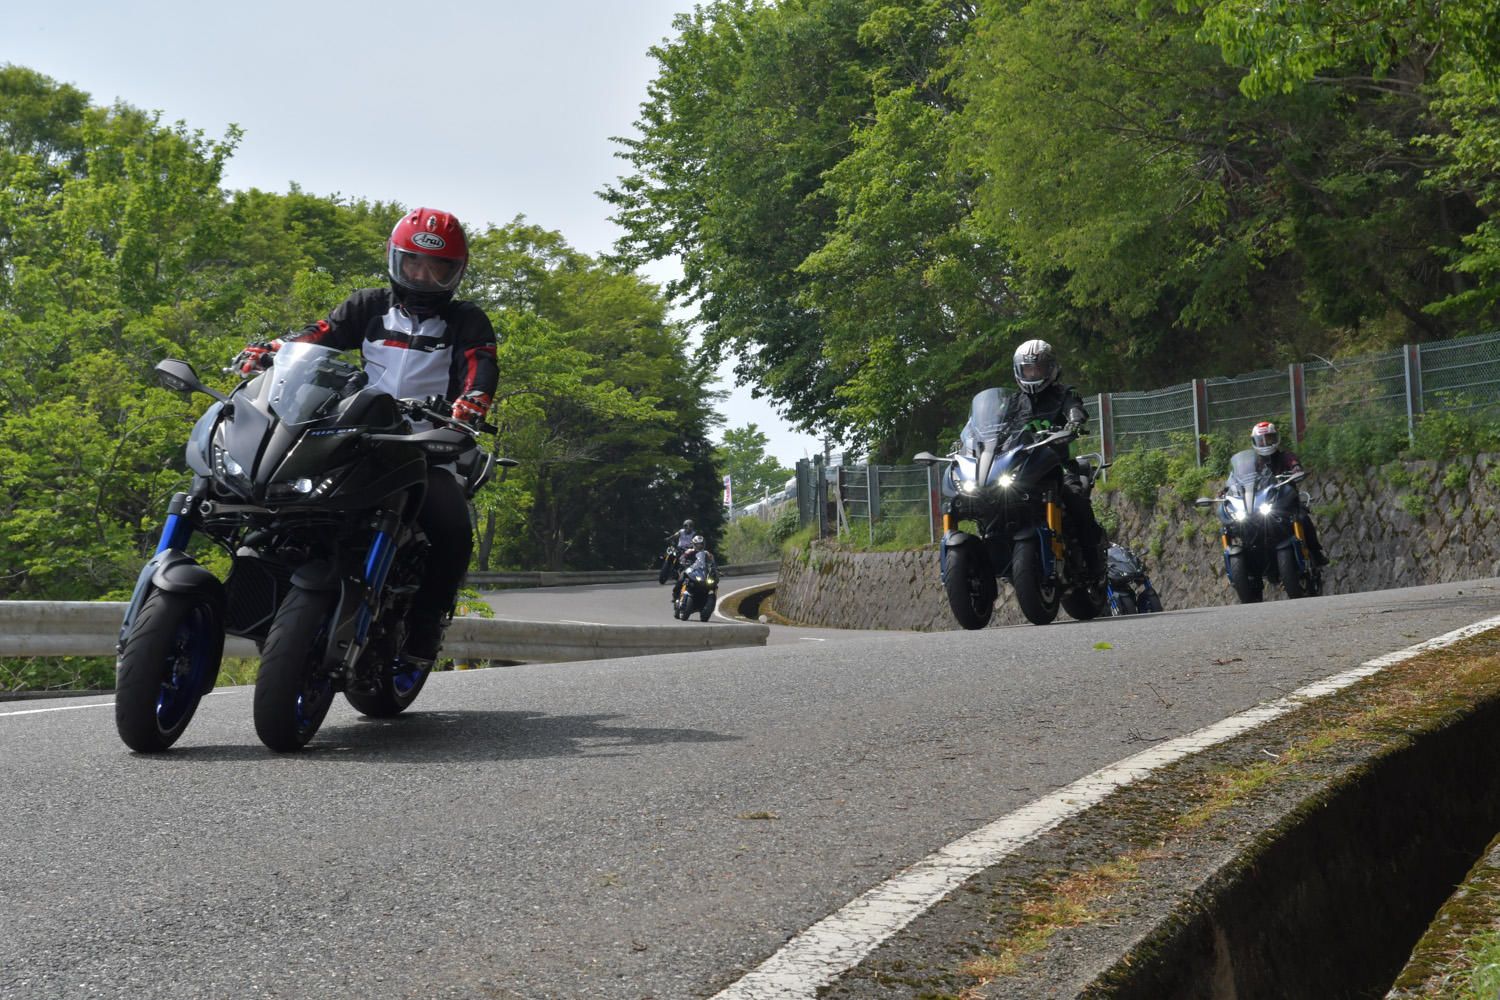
(752, 473)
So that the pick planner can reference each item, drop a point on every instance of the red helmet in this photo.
(1264, 438)
(426, 257)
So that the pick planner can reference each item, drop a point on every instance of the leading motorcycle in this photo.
(310, 479)
(1261, 531)
(697, 588)
(1008, 481)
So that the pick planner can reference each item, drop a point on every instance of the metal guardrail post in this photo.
(1298, 383)
(1413, 354)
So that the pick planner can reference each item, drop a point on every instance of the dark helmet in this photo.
(1264, 438)
(426, 257)
(1036, 366)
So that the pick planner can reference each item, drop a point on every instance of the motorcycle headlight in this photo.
(1005, 481)
(301, 488)
(1239, 514)
(227, 468)
(1264, 509)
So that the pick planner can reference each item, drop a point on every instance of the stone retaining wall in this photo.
(1404, 524)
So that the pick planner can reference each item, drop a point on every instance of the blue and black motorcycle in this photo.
(1130, 590)
(310, 479)
(1262, 533)
(1007, 480)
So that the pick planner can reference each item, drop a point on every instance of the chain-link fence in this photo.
(869, 496)
(1399, 384)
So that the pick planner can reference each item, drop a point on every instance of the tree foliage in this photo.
(876, 200)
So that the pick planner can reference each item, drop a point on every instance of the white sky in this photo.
(487, 108)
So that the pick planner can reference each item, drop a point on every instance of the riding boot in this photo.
(424, 636)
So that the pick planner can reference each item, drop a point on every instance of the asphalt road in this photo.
(637, 828)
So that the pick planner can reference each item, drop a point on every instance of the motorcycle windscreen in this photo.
(308, 381)
(981, 435)
(1242, 471)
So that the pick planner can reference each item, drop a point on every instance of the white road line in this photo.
(60, 708)
(841, 941)
(730, 596)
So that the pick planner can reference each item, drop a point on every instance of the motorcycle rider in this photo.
(690, 552)
(1042, 400)
(427, 343)
(683, 538)
(1271, 457)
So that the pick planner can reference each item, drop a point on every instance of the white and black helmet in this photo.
(1036, 366)
(1264, 438)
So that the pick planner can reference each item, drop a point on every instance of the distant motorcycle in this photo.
(1262, 537)
(1008, 481)
(698, 590)
(1130, 590)
(668, 564)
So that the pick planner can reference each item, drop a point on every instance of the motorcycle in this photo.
(668, 563)
(1130, 590)
(1008, 481)
(310, 479)
(1263, 538)
(698, 589)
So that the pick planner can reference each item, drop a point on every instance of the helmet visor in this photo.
(1032, 371)
(422, 272)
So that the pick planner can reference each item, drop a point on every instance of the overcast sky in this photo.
(488, 109)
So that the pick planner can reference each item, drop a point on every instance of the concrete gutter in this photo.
(91, 628)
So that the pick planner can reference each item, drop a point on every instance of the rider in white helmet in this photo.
(1040, 397)
(1266, 441)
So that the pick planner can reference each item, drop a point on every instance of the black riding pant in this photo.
(444, 518)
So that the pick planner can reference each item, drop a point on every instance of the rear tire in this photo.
(666, 571)
(1037, 597)
(170, 661)
(293, 689)
(1247, 586)
(971, 589)
(1291, 572)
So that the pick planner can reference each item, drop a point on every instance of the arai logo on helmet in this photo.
(429, 241)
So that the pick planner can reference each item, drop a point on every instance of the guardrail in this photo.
(91, 628)
(576, 578)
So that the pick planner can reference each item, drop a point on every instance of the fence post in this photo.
(1107, 427)
(932, 502)
(1413, 390)
(820, 496)
(1298, 382)
(1200, 419)
(804, 494)
(873, 482)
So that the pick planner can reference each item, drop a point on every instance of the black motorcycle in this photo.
(310, 479)
(1130, 590)
(1008, 481)
(668, 563)
(1262, 534)
(698, 588)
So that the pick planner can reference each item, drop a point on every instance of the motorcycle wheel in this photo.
(292, 689)
(1151, 602)
(1036, 596)
(1291, 573)
(170, 661)
(971, 591)
(1081, 605)
(396, 689)
(1124, 603)
(666, 571)
(708, 607)
(1247, 585)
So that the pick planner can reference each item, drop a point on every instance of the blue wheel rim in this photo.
(185, 669)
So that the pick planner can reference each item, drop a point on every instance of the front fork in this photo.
(378, 562)
(170, 568)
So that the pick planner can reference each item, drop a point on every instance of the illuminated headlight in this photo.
(1264, 509)
(968, 486)
(1005, 480)
(1239, 515)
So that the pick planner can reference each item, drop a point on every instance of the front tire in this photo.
(1037, 596)
(1081, 604)
(170, 661)
(1291, 572)
(971, 590)
(1247, 585)
(709, 604)
(1125, 603)
(293, 688)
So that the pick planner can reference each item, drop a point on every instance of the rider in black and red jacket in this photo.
(1270, 456)
(425, 343)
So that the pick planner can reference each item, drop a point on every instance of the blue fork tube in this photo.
(377, 565)
(178, 528)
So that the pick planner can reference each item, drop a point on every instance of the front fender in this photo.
(175, 572)
(955, 539)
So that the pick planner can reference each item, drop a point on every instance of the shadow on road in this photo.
(452, 737)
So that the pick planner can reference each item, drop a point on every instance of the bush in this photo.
(1457, 476)
(1460, 428)
(783, 528)
(1138, 474)
(1355, 444)
(748, 540)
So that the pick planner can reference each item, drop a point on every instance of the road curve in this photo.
(651, 827)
